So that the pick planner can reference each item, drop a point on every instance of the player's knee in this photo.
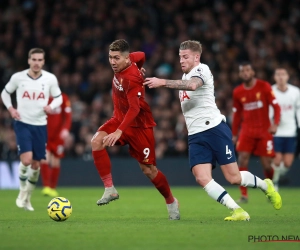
(97, 143)
(26, 161)
(234, 179)
(202, 181)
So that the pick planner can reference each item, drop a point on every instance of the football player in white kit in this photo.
(33, 87)
(285, 139)
(210, 138)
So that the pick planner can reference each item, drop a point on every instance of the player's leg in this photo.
(39, 140)
(24, 167)
(102, 161)
(54, 175)
(46, 172)
(202, 173)
(24, 144)
(277, 161)
(288, 150)
(160, 181)
(33, 176)
(202, 158)
(245, 146)
(247, 179)
(142, 147)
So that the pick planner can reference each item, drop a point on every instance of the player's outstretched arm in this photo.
(192, 84)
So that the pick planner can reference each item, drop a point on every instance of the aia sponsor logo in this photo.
(33, 95)
(183, 95)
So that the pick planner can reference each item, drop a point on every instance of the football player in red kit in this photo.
(58, 127)
(251, 102)
(132, 123)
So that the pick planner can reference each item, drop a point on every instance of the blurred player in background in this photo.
(58, 127)
(285, 139)
(34, 86)
(251, 101)
(210, 138)
(132, 123)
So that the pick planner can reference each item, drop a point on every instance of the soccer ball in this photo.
(59, 209)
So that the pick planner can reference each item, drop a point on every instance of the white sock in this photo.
(23, 174)
(277, 173)
(250, 180)
(218, 193)
(283, 169)
(33, 176)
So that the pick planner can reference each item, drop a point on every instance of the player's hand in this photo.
(14, 113)
(143, 71)
(48, 109)
(153, 82)
(234, 139)
(273, 129)
(64, 134)
(111, 139)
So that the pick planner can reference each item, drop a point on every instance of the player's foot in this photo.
(20, 201)
(242, 200)
(46, 191)
(53, 193)
(273, 196)
(27, 203)
(110, 194)
(173, 210)
(238, 214)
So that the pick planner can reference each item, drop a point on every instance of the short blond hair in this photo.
(36, 51)
(192, 45)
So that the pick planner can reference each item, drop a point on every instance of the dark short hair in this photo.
(192, 45)
(245, 63)
(119, 45)
(36, 51)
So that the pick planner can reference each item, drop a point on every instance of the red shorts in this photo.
(258, 146)
(140, 140)
(56, 147)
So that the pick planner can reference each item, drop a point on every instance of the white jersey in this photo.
(199, 107)
(289, 102)
(33, 95)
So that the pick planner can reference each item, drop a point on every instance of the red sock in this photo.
(45, 174)
(103, 165)
(161, 183)
(269, 174)
(54, 176)
(244, 190)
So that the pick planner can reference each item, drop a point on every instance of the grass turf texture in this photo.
(139, 220)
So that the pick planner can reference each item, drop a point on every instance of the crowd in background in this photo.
(76, 34)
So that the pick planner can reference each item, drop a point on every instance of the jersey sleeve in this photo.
(12, 85)
(273, 102)
(203, 73)
(237, 114)
(67, 111)
(54, 88)
(298, 108)
(138, 58)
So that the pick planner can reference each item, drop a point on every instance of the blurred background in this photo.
(75, 35)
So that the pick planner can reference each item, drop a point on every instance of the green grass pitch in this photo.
(139, 220)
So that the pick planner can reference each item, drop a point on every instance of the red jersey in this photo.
(60, 119)
(251, 109)
(130, 107)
